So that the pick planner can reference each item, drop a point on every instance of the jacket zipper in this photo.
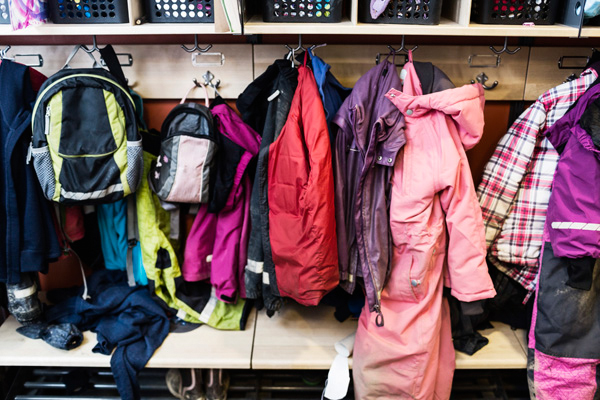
(379, 319)
(41, 95)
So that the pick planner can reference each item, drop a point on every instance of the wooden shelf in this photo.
(204, 347)
(298, 338)
(506, 350)
(109, 29)
(592, 31)
(446, 27)
(303, 338)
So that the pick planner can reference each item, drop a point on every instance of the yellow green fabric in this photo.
(55, 132)
(116, 118)
(154, 229)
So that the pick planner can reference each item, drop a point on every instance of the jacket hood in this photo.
(463, 104)
(590, 124)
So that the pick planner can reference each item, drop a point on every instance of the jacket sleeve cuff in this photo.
(472, 308)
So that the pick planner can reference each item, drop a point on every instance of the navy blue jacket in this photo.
(26, 228)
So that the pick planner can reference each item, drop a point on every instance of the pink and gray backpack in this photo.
(182, 171)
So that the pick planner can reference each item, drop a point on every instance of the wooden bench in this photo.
(296, 338)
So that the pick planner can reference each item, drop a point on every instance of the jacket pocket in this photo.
(42, 163)
(409, 280)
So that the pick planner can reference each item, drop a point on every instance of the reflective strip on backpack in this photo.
(91, 195)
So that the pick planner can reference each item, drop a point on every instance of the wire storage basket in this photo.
(418, 12)
(515, 12)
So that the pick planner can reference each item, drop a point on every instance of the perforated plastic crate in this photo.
(302, 10)
(515, 12)
(179, 11)
(88, 11)
(417, 12)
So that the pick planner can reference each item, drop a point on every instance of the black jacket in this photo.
(265, 105)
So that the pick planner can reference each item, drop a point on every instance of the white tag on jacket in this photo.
(403, 75)
(274, 95)
(338, 379)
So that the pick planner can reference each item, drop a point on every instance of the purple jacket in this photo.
(217, 246)
(370, 132)
(573, 217)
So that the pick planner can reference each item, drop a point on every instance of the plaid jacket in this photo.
(517, 181)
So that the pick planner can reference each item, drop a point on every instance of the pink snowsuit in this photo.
(438, 240)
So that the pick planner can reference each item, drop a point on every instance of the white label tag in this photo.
(274, 95)
(28, 291)
(403, 74)
(209, 258)
(181, 314)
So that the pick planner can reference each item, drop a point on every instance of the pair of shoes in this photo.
(186, 386)
(217, 384)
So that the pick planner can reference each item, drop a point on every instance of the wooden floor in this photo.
(297, 338)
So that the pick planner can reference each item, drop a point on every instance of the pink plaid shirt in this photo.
(517, 181)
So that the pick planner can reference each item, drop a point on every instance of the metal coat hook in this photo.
(292, 51)
(94, 47)
(209, 81)
(316, 46)
(504, 49)
(483, 78)
(4, 56)
(402, 48)
(196, 48)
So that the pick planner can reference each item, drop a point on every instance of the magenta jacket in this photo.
(217, 246)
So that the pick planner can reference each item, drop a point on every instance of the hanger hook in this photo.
(196, 48)
(94, 47)
(402, 48)
(4, 52)
(505, 48)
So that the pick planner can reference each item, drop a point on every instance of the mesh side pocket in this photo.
(135, 164)
(42, 163)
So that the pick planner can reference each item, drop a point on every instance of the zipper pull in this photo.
(379, 318)
(47, 125)
(29, 153)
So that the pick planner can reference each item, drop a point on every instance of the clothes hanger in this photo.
(89, 51)
(4, 56)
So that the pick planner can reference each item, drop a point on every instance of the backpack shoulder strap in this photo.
(112, 62)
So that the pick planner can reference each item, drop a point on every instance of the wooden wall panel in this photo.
(163, 71)
(350, 62)
(544, 74)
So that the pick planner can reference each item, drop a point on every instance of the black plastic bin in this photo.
(4, 14)
(515, 12)
(88, 11)
(417, 12)
(197, 11)
(302, 10)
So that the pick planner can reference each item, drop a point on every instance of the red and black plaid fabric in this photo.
(517, 181)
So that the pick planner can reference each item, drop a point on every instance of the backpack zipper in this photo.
(41, 95)
(208, 115)
(47, 121)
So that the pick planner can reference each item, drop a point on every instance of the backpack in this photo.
(86, 147)
(181, 173)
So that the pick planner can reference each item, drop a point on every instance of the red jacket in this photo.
(301, 199)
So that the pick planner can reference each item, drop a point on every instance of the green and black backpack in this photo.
(86, 147)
